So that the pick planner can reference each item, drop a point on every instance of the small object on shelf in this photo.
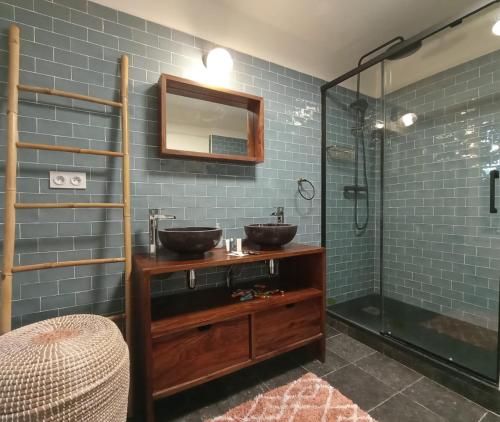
(221, 241)
(258, 291)
(239, 293)
(248, 296)
(269, 293)
(228, 245)
(239, 248)
(235, 253)
(243, 295)
(340, 152)
(249, 252)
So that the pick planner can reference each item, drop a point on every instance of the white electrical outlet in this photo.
(67, 180)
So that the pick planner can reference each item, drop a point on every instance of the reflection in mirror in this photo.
(203, 126)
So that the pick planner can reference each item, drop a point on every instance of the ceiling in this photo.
(323, 38)
(447, 49)
(444, 50)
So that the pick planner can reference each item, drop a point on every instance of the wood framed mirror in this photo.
(205, 122)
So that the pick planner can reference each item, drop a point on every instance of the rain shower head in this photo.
(360, 105)
(405, 52)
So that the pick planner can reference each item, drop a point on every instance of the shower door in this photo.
(440, 227)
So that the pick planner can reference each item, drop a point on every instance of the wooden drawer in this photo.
(278, 328)
(189, 355)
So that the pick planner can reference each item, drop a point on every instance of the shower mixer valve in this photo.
(350, 191)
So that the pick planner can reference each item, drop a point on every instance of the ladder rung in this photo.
(50, 91)
(34, 205)
(49, 265)
(28, 145)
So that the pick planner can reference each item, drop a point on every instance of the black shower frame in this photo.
(421, 36)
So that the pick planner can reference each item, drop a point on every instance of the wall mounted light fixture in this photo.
(408, 119)
(218, 61)
(401, 118)
(496, 28)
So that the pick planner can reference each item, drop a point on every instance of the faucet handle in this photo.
(166, 217)
(279, 211)
(154, 214)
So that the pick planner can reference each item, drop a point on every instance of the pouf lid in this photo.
(57, 359)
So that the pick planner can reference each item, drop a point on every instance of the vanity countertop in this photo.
(167, 262)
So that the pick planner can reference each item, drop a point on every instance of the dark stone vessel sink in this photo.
(190, 240)
(271, 235)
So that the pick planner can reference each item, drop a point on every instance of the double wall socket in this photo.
(67, 180)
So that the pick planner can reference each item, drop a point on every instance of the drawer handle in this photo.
(205, 327)
(289, 305)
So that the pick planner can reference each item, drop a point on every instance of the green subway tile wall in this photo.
(75, 45)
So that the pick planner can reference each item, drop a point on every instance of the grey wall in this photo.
(442, 249)
(75, 45)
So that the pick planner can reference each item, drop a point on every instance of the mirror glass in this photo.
(207, 127)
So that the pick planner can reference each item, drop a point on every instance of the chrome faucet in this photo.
(154, 217)
(279, 214)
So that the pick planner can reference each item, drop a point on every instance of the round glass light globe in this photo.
(496, 28)
(219, 61)
(408, 119)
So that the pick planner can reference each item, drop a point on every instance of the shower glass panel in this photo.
(411, 164)
(354, 122)
(441, 257)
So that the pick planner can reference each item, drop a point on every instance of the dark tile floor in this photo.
(389, 391)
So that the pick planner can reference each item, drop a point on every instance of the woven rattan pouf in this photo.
(71, 368)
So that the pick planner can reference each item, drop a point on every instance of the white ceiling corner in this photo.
(323, 38)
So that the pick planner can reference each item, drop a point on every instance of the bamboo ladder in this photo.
(11, 178)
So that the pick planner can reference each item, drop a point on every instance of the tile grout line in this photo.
(353, 363)
(331, 372)
(422, 376)
(420, 404)
(381, 380)
(396, 392)
(393, 395)
(460, 395)
(413, 401)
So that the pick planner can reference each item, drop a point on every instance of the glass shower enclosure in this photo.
(411, 150)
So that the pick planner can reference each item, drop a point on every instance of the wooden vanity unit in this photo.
(186, 339)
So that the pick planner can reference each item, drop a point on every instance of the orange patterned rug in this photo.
(308, 399)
